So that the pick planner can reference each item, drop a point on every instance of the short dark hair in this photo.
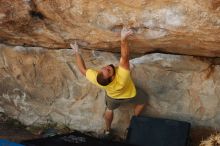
(101, 80)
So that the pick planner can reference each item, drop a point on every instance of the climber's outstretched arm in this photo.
(79, 60)
(124, 60)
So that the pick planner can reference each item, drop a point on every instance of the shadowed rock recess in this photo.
(40, 82)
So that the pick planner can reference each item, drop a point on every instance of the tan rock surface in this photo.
(40, 86)
(184, 27)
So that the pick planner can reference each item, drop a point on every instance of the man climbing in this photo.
(116, 81)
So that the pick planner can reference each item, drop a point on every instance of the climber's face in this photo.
(108, 71)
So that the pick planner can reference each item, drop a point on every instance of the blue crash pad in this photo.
(4, 142)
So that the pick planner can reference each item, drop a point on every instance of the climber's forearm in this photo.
(124, 50)
(80, 63)
(124, 60)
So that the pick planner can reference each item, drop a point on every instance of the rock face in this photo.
(39, 86)
(184, 27)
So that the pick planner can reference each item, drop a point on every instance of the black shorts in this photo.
(140, 98)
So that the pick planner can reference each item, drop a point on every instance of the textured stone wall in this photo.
(184, 26)
(41, 86)
(40, 83)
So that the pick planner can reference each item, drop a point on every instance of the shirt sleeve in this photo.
(91, 75)
(123, 74)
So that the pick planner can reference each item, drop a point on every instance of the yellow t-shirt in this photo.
(121, 87)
